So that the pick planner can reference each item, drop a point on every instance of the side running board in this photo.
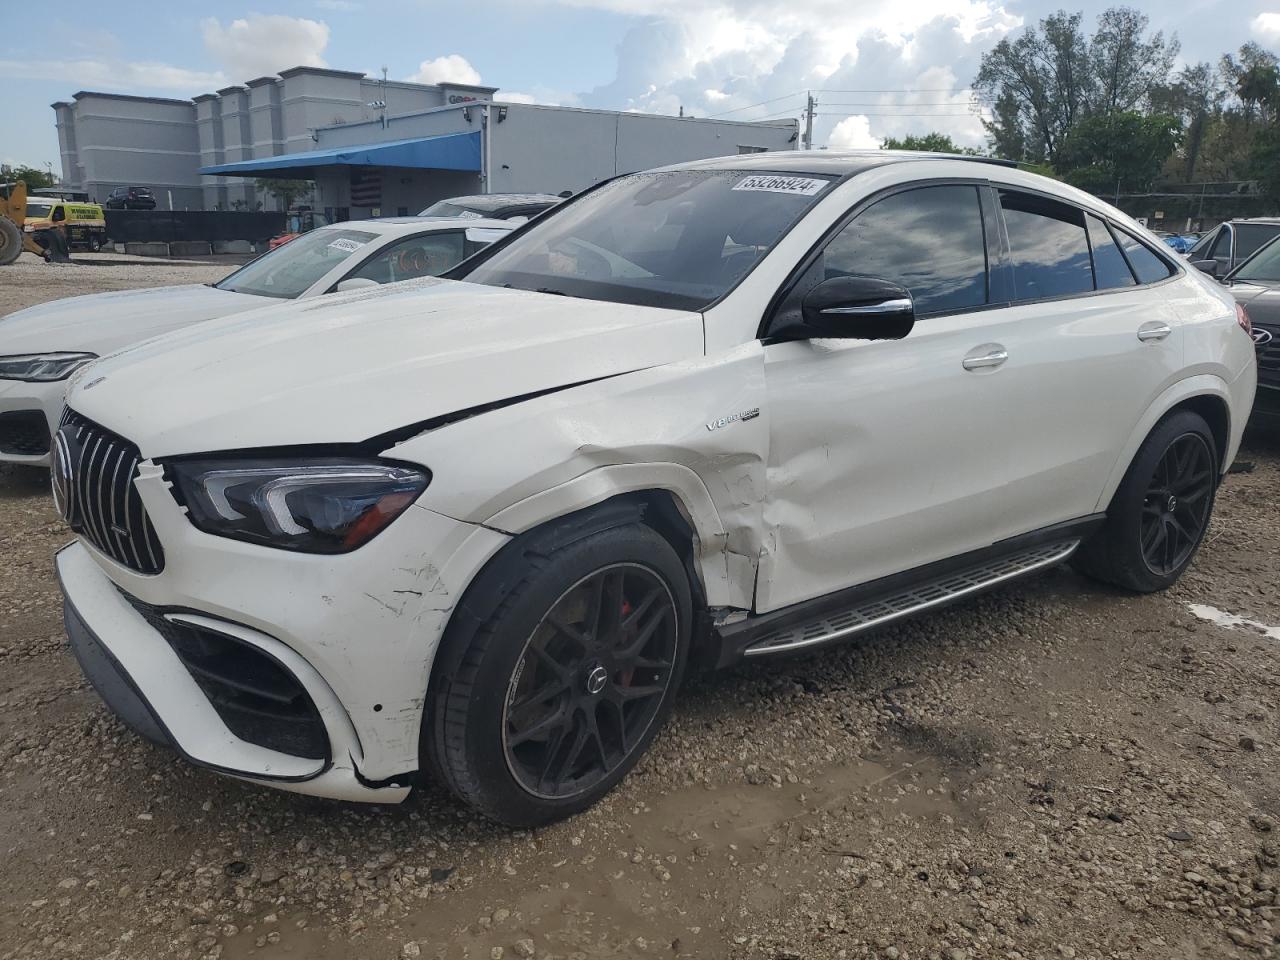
(924, 595)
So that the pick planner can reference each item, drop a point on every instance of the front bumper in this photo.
(358, 631)
(20, 398)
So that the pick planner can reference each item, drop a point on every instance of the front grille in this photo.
(258, 699)
(1269, 355)
(24, 433)
(93, 472)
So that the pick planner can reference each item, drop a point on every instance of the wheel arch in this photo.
(1206, 395)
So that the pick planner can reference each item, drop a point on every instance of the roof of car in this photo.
(832, 162)
(496, 201)
(404, 225)
(1269, 221)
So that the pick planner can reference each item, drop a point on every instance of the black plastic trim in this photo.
(736, 638)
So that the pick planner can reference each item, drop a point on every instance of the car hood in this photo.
(351, 366)
(1262, 301)
(104, 322)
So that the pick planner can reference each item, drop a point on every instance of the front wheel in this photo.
(548, 701)
(1160, 512)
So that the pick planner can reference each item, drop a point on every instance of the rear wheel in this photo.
(550, 700)
(95, 243)
(1160, 512)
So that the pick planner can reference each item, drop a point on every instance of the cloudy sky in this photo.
(878, 67)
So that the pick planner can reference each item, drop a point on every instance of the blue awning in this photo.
(451, 151)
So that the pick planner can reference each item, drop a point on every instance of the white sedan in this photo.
(41, 347)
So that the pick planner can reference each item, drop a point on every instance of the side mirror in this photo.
(355, 283)
(854, 308)
(58, 215)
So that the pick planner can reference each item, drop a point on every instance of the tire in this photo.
(10, 241)
(532, 723)
(95, 244)
(1173, 477)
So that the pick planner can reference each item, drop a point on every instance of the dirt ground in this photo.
(1054, 770)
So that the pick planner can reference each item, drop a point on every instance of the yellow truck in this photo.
(85, 223)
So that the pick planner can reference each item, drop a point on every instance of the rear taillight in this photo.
(1242, 318)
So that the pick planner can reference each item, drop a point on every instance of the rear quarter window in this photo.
(1147, 266)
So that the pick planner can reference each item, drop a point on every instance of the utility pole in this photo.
(808, 122)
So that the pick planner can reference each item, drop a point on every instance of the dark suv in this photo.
(1232, 243)
(1256, 284)
(130, 198)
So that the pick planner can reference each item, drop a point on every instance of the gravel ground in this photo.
(29, 280)
(1054, 770)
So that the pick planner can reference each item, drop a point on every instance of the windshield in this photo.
(1263, 268)
(678, 239)
(444, 208)
(288, 270)
(38, 210)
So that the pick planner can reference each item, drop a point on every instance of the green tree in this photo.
(933, 142)
(1052, 76)
(33, 178)
(1196, 96)
(284, 191)
(1118, 152)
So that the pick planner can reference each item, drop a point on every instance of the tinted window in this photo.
(1221, 246)
(1109, 268)
(1251, 236)
(929, 240)
(426, 256)
(1264, 268)
(1048, 245)
(1200, 249)
(1147, 267)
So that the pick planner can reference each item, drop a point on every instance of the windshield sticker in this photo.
(800, 186)
(346, 245)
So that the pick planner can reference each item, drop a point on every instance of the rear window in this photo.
(1109, 267)
(1147, 266)
(1048, 245)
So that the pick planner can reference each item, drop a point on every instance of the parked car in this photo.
(496, 206)
(85, 224)
(1220, 251)
(130, 198)
(41, 347)
(722, 411)
(1256, 284)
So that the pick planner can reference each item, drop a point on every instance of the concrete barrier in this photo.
(149, 249)
(233, 246)
(190, 248)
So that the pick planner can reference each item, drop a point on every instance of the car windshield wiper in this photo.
(554, 293)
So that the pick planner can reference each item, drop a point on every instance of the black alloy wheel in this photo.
(1175, 510)
(591, 681)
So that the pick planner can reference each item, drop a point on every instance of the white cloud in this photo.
(1266, 27)
(115, 75)
(853, 133)
(452, 68)
(260, 45)
(755, 59)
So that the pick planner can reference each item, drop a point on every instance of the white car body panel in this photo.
(433, 346)
(103, 323)
(802, 468)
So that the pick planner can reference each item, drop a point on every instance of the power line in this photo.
(752, 106)
(881, 103)
(900, 90)
(859, 113)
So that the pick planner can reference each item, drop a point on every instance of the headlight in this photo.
(312, 506)
(43, 367)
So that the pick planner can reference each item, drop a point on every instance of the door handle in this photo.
(1154, 330)
(985, 357)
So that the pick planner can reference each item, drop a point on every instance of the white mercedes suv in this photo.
(479, 527)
